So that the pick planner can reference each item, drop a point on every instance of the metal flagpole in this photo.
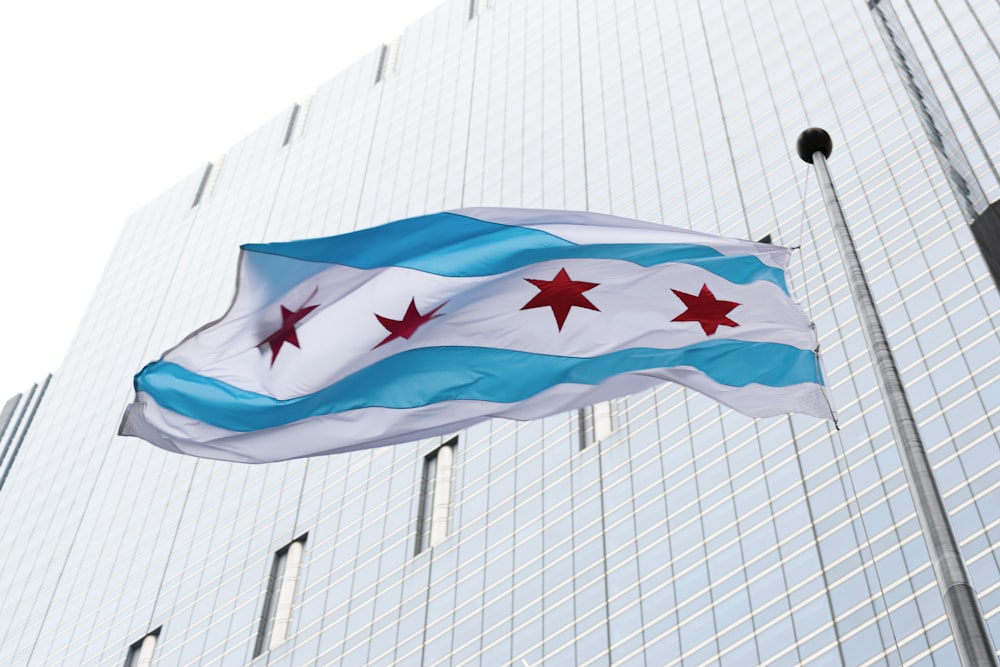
(968, 625)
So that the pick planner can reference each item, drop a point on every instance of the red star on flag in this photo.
(286, 333)
(407, 326)
(706, 310)
(561, 293)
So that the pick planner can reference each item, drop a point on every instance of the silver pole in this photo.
(968, 625)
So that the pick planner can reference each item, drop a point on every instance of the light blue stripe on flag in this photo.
(423, 376)
(452, 245)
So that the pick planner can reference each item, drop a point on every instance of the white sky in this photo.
(108, 103)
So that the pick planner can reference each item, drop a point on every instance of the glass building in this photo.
(16, 417)
(658, 529)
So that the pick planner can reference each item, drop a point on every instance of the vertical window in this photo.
(477, 7)
(435, 496)
(380, 70)
(140, 654)
(597, 422)
(387, 58)
(297, 120)
(208, 180)
(292, 118)
(276, 615)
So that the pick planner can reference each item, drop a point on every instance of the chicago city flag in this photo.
(427, 325)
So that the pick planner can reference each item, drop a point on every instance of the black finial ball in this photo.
(812, 140)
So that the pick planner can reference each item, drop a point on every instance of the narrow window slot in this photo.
(434, 510)
(279, 598)
(597, 422)
(140, 654)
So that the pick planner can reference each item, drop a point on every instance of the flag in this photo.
(424, 326)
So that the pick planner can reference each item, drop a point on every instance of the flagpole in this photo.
(968, 625)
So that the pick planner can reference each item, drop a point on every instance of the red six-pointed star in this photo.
(407, 326)
(561, 293)
(286, 333)
(706, 310)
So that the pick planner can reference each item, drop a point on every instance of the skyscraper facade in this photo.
(15, 420)
(656, 529)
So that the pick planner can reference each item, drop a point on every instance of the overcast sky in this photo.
(108, 103)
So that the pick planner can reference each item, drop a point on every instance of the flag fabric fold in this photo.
(427, 325)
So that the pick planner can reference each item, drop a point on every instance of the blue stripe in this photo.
(456, 246)
(424, 376)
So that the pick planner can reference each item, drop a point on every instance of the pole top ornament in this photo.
(812, 140)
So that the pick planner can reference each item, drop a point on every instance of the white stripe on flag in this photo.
(427, 325)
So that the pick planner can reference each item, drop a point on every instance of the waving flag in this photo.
(427, 325)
